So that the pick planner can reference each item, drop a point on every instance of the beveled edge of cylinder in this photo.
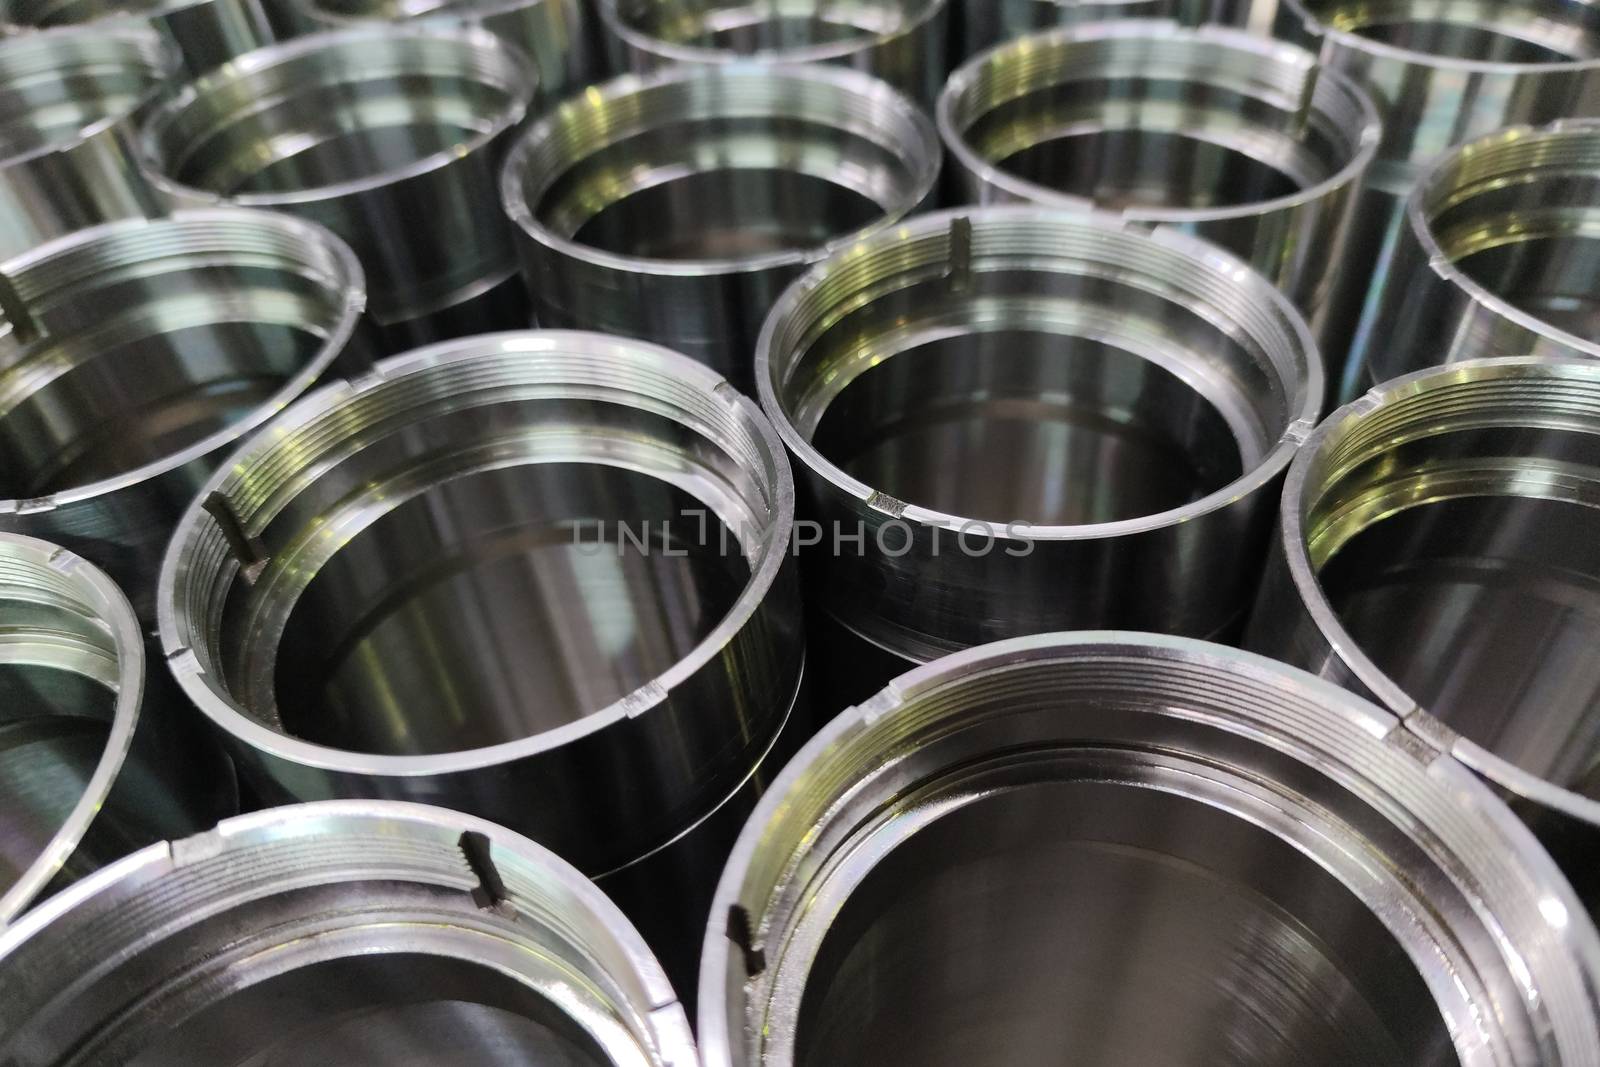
(1355, 42)
(663, 1014)
(840, 79)
(94, 590)
(325, 404)
(448, 12)
(1267, 50)
(1385, 691)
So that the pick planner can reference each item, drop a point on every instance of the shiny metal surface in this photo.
(1034, 420)
(904, 42)
(135, 355)
(96, 760)
(350, 933)
(391, 136)
(676, 207)
(204, 33)
(986, 23)
(69, 104)
(1246, 142)
(1128, 849)
(1438, 552)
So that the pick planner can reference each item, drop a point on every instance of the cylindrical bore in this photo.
(904, 42)
(1156, 849)
(391, 136)
(1438, 551)
(94, 763)
(1246, 142)
(1497, 254)
(352, 933)
(1017, 420)
(204, 33)
(69, 106)
(135, 355)
(676, 207)
(986, 23)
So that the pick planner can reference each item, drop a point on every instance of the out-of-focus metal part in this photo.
(353, 933)
(1015, 420)
(904, 42)
(986, 23)
(677, 206)
(1497, 254)
(204, 34)
(69, 106)
(97, 759)
(1438, 552)
(540, 577)
(1158, 849)
(1246, 142)
(390, 136)
(1442, 72)
(135, 355)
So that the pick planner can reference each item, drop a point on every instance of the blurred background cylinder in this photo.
(356, 933)
(1017, 420)
(204, 34)
(675, 207)
(904, 42)
(1246, 142)
(1440, 552)
(391, 137)
(541, 577)
(1150, 850)
(99, 755)
(70, 102)
(1497, 254)
(134, 356)
(986, 23)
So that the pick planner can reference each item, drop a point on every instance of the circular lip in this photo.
(1385, 690)
(522, 214)
(1267, 49)
(111, 606)
(205, 692)
(277, 55)
(1208, 257)
(1355, 42)
(353, 307)
(448, 11)
(612, 22)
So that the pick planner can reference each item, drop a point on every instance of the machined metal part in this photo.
(389, 135)
(135, 355)
(1146, 850)
(677, 206)
(1438, 553)
(904, 42)
(1442, 72)
(1016, 420)
(204, 33)
(1246, 142)
(356, 933)
(1497, 254)
(987, 23)
(69, 106)
(96, 758)
(540, 577)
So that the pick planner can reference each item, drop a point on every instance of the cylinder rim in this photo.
(1355, 42)
(611, 19)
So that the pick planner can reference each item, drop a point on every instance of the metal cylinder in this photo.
(676, 207)
(204, 34)
(1246, 142)
(543, 578)
(391, 136)
(986, 23)
(356, 933)
(96, 757)
(1145, 850)
(135, 355)
(1017, 420)
(904, 42)
(1436, 553)
(1442, 72)
(69, 103)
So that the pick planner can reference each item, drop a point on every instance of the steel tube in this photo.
(1437, 554)
(987, 23)
(352, 933)
(391, 136)
(676, 207)
(96, 757)
(1245, 142)
(204, 34)
(1146, 847)
(135, 355)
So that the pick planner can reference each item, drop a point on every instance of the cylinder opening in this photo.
(55, 87)
(755, 26)
(1519, 32)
